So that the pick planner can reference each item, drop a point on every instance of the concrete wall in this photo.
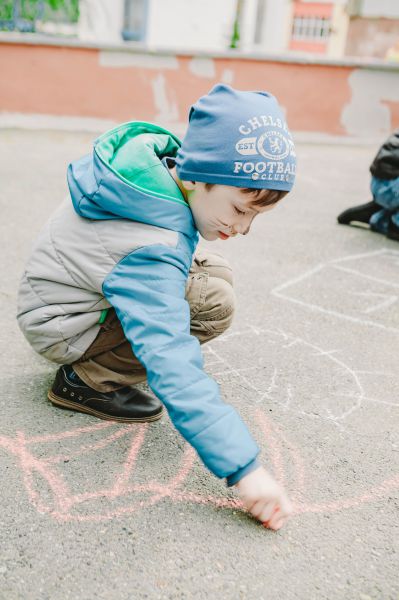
(121, 84)
(101, 20)
(371, 37)
(275, 26)
(380, 8)
(205, 24)
(339, 31)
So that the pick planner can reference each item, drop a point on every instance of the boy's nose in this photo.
(243, 227)
(240, 228)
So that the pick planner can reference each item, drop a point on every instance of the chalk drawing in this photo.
(338, 394)
(341, 288)
(118, 488)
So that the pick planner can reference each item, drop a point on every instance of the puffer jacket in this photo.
(127, 241)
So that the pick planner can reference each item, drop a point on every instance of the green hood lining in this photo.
(133, 152)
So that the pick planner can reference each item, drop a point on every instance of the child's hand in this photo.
(264, 498)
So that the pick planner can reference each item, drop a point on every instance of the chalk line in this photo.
(278, 291)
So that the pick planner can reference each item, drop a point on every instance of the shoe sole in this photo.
(359, 224)
(57, 401)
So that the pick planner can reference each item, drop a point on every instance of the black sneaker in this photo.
(127, 404)
(359, 214)
(393, 231)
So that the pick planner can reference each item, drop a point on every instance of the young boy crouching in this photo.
(114, 292)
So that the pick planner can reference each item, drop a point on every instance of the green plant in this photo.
(235, 36)
(65, 4)
(30, 10)
(69, 7)
(6, 8)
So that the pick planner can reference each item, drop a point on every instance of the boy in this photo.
(381, 213)
(110, 285)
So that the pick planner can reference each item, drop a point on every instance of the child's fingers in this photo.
(272, 510)
(275, 526)
(281, 514)
(276, 521)
(268, 511)
(260, 510)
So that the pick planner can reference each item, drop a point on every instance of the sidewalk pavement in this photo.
(92, 509)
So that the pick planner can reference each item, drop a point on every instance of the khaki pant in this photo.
(109, 363)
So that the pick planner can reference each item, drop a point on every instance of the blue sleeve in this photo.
(147, 290)
(235, 477)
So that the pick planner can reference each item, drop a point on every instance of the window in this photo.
(311, 28)
(135, 20)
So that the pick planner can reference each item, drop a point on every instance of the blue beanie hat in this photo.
(237, 138)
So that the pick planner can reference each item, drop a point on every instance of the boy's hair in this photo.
(263, 197)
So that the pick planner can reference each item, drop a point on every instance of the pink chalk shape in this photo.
(65, 502)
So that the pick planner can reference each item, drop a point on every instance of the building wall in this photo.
(199, 24)
(101, 20)
(274, 27)
(380, 8)
(248, 25)
(120, 85)
(339, 31)
(266, 25)
(371, 36)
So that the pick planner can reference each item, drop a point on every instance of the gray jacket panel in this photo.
(60, 296)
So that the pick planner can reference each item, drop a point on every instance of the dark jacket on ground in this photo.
(386, 163)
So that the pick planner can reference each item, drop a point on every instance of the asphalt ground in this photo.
(92, 509)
